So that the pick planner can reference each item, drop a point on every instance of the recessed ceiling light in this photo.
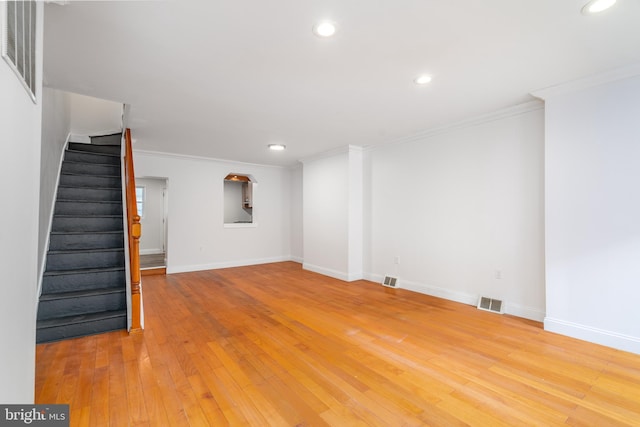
(422, 80)
(324, 29)
(596, 6)
(277, 147)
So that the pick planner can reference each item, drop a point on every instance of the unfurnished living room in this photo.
(320, 213)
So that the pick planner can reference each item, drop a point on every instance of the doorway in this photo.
(151, 196)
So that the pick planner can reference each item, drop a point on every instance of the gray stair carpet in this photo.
(84, 285)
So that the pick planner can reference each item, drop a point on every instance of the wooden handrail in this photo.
(133, 220)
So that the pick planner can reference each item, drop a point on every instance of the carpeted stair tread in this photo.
(87, 201)
(84, 293)
(80, 302)
(82, 318)
(92, 164)
(85, 251)
(76, 240)
(84, 279)
(88, 207)
(93, 153)
(84, 326)
(88, 216)
(94, 148)
(89, 193)
(85, 232)
(94, 175)
(89, 187)
(113, 139)
(90, 180)
(82, 271)
(92, 158)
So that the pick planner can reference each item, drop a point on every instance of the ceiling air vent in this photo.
(490, 304)
(390, 282)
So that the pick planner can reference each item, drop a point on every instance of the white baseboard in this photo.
(435, 291)
(461, 297)
(225, 264)
(297, 259)
(594, 335)
(352, 277)
(524, 312)
(378, 278)
(340, 275)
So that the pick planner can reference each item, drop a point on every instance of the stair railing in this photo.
(133, 222)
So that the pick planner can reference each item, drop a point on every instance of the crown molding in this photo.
(204, 159)
(331, 153)
(515, 110)
(588, 82)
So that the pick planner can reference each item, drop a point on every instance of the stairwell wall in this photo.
(93, 116)
(56, 125)
(19, 184)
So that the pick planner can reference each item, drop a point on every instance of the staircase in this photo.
(84, 285)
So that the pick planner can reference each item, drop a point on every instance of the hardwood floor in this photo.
(153, 261)
(275, 345)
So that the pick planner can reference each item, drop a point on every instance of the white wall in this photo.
(296, 213)
(325, 215)
(332, 213)
(233, 202)
(152, 238)
(56, 120)
(197, 238)
(593, 213)
(19, 185)
(355, 213)
(93, 116)
(460, 208)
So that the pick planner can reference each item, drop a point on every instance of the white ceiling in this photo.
(224, 78)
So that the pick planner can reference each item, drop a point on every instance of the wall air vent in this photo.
(390, 282)
(490, 304)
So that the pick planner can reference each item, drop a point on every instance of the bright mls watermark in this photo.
(34, 415)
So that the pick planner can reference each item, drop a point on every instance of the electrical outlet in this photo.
(396, 260)
(498, 274)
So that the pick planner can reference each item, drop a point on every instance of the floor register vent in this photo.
(390, 282)
(490, 304)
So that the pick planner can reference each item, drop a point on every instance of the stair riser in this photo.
(78, 193)
(83, 281)
(90, 169)
(86, 224)
(92, 148)
(51, 309)
(88, 208)
(90, 181)
(74, 156)
(61, 242)
(80, 329)
(74, 261)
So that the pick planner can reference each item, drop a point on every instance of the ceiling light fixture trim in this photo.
(325, 29)
(597, 6)
(422, 79)
(277, 147)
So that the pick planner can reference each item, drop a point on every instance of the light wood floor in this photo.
(275, 345)
(153, 260)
